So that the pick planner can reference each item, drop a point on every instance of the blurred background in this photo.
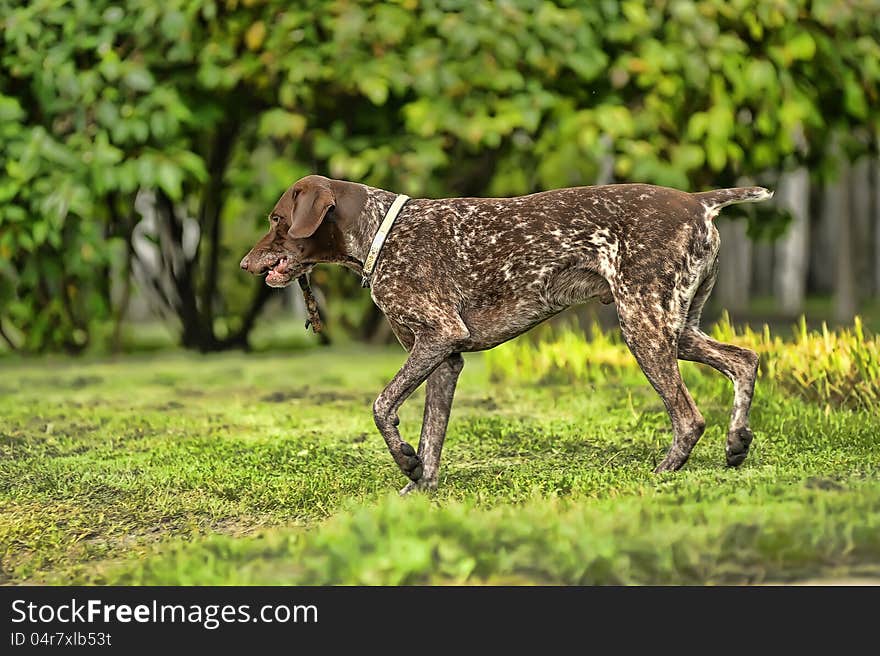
(142, 145)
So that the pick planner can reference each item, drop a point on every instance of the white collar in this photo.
(381, 236)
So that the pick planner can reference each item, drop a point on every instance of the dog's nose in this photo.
(244, 263)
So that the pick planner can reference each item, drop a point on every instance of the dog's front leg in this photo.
(438, 404)
(427, 353)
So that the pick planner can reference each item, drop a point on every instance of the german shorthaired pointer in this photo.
(466, 274)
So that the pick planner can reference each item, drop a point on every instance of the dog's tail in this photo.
(715, 200)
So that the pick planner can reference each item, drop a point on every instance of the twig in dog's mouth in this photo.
(311, 304)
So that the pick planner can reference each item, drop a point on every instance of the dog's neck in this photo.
(358, 234)
(347, 237)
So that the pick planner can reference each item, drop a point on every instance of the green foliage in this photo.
(53, 255)
(840, 367)
(161, 469)
(219, 104)
(86, 124)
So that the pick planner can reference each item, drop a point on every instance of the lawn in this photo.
(266, 469)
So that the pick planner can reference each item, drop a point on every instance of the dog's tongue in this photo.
(277, 273)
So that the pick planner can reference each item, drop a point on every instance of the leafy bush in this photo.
(54, 257)
(206, 110)
(839, 367)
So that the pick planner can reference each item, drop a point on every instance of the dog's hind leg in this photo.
(653, 341)
(440, 389)
(739, 364)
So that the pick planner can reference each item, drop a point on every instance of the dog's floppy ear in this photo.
(310, 206)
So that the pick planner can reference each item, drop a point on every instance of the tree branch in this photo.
(6, 338)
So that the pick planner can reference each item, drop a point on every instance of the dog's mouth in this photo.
(283, 272)
(279, 274)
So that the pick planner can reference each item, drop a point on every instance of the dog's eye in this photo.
(274, 219)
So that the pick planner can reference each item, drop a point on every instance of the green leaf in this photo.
(170, 179)
(688, 157)
(255, 35)
(801, 47)
(697, 125)
(139, 79)
(376, 89)
(760, 74)
(173, 24)
(279, 123)
(716, 154)
(10, 109)
(588, 65)
(40, 231)
(854, 98)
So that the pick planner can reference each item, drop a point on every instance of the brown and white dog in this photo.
(466, 274)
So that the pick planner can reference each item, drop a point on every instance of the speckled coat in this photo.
(466, 274)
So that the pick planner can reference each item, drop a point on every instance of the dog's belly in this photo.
(492, 326)
(508, 311)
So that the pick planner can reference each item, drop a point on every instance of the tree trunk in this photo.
(876, 187)
(196, 333)
(792, 249)
(120, 225)
(762, 269)
(838, 199)
(735, 266)
(822, 241)
(124, 299)
(209, 217)
(860, 203)
(239, 339)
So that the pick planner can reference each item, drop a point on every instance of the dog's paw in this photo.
(738, 442)
(421, 485)
(668, 465)
(672, 462)
(409, 463)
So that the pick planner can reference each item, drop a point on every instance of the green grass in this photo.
(267, 469)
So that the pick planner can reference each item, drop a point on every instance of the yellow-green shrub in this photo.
(561, 354)
(839, 367)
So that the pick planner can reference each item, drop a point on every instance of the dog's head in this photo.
(303, 229)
